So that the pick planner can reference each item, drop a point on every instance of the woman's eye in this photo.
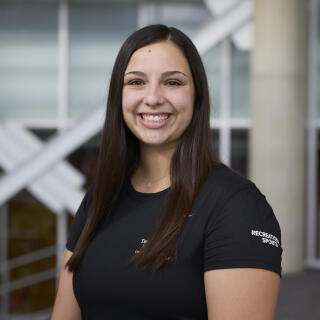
(136, 82)
(173, 83)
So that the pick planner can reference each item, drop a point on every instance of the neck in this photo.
(153, 171)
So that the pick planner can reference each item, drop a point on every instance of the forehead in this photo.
(160, 55)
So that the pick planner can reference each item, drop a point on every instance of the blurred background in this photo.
(262, 59)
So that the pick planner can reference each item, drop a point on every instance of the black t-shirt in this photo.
(230, 226)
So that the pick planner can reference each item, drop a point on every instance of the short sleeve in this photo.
(243, 233)
(79, 219)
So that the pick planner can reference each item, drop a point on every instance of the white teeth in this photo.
(154, 118)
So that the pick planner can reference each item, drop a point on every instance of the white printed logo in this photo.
(143, 241)
(266, 237)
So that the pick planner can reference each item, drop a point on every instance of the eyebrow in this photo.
(165, 74)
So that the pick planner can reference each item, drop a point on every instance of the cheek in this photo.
(186, 108)
(125, 103)
(184, 104)
(130, 101)
(125, 109)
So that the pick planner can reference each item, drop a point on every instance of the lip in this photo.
(155, 113)
(154, 125)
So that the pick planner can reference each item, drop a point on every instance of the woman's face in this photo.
(158, 94)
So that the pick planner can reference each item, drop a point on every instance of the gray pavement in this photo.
(299, 297)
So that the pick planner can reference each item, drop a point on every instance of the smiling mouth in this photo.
(158, 117)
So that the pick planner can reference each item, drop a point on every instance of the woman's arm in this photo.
(65, 306)
(241, 294)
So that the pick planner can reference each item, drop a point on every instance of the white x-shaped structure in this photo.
(58, 188)
(40, 166)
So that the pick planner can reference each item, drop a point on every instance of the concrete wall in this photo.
(278, 108)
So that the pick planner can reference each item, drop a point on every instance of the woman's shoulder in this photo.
(224, 181)
(241, 228)
(220, 185)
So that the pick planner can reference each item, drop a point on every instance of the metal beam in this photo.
(225, 132)
(28, 258)
(242, 37)
(9, 161)
(225, 25)
(53, 188)
(220, 7)
(29, 141)
(28, 281)
(39, 162)
(63, 66)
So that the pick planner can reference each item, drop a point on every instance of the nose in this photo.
(153, 95)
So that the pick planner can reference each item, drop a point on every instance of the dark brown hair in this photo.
(119, 156)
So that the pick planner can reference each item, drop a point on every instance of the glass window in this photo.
(85, 159)
(239, 82)
(96, 34)
(31, 227)
(239, 151)
(28, 60)
(212, 63)
(186, 16)
(215, 138)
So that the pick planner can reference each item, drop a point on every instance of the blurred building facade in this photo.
(263, 67)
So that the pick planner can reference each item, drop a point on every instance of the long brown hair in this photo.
(119, 156)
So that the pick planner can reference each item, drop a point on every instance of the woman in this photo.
(167, 231)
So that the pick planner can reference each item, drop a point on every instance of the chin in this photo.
(154, 142)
